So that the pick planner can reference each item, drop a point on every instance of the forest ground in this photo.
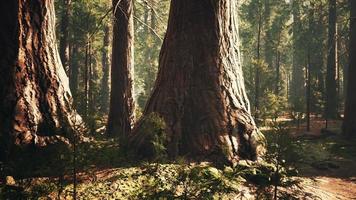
(326, 163)
(331, 171)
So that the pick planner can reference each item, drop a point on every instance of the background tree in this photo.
(64, 35)
(349, 127)
(150, 22)
(331, 75)
(121, 114)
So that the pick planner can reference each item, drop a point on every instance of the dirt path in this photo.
(327, 188)
(330, 184)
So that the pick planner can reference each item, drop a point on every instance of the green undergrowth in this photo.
(164, 181)
(178, 181)
(105, 173)
(329, 154)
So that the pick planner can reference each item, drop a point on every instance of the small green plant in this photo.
(151, 139)
(283, 154)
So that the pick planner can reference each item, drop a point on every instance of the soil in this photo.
(335, 178)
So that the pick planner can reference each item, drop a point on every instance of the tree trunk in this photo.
(331, 93)
(268, 34)
(200, 90)
(297, 89)
(349, 127)
(308, 89)
(258, 66)
(64, 35)
(35, 99)
(121, 115)
(278, 66)
(86, 81)
(74, 72)
(106, 71)
(278, 73)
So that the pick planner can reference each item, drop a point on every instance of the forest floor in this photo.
(326, 163)
(329, 168)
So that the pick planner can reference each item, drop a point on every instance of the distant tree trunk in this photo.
(35, 99)
(91, 99)
(86, 81)
(278, 66)
(106, 71)
(331, 84)
(200, 90)
(297, 89)
(317, 60)
(349, 126)
(64, 35)
(310, 65)
(308, 90)
(151, 53)
(257, 70)
(268, 38)
(74, 72)
(121, 114)
(278, 73)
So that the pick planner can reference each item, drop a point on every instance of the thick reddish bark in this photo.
(349, 127)
(35, 100)
(121, 115)
(200, 90)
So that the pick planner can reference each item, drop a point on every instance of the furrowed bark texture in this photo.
(349, 127)
(121, 115)
(200, 90)
(35, 100)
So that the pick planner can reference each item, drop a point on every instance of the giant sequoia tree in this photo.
(121, 102)
(200, 90)
(350, 107)
(35, 100)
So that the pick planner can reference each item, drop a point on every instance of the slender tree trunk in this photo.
(308, 91)
(86, 81)
(278, 66)
(106, 71)
(152, 71)
(257, 70)
(64, 35)
(200, 90)
(268, 37)
(278, 73)
(73, 82)
(349, 126)
(297, 89)
(331, 83)
(121, 115)
(35, 99)
(91, 99)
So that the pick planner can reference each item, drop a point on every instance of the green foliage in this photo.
(200, 182)
(150, 26)
(273, 106)
(151, 139)
(282, 147)
(10, 192)
(42, 189)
